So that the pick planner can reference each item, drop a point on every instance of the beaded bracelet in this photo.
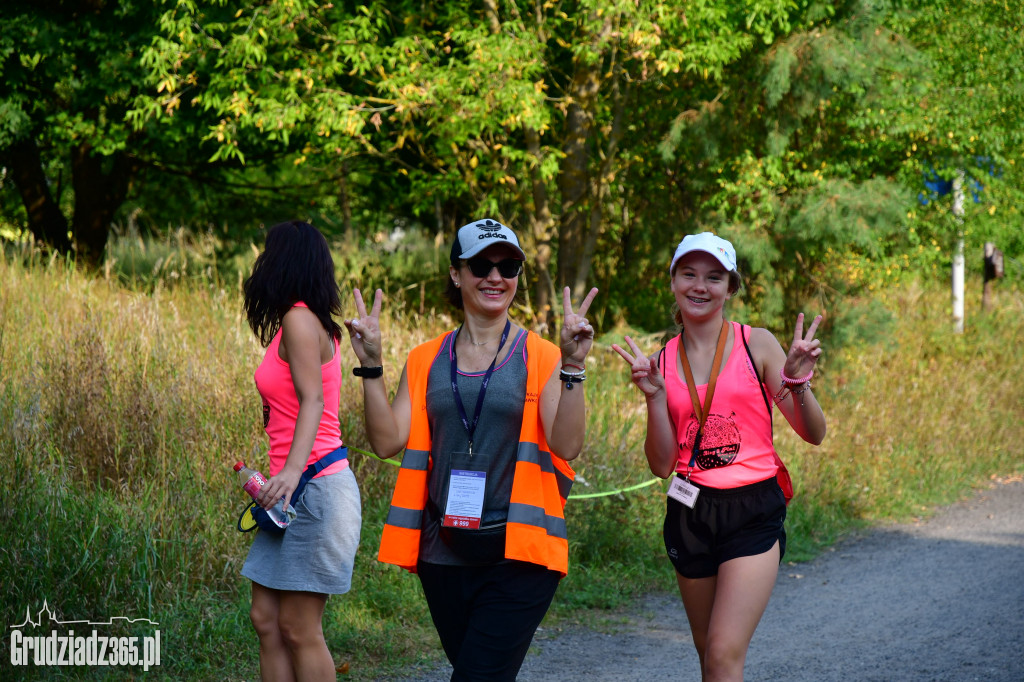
(571, 379)
(800, 392)
(580, 373)
(785, 391)
(795, 382)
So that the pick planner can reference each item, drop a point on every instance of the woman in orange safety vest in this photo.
(488, 427)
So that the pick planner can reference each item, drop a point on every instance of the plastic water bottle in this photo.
(252, 481)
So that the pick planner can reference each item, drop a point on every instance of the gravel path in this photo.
(942, 599)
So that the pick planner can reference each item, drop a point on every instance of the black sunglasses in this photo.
(507, 268)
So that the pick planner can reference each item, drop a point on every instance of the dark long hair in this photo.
(296, 265)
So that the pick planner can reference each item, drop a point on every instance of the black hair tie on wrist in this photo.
(369, 372)
(571, 379)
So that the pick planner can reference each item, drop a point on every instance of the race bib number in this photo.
(465, 499)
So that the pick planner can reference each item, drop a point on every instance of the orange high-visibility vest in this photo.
(535, 531)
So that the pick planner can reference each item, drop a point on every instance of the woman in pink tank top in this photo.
(290, 298)
(709, 422)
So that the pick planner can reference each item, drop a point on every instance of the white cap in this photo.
(708, 243)
(476, 236)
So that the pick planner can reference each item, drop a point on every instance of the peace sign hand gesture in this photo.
(577, 335)
(364, 330)
(805, 350)
(643, 370)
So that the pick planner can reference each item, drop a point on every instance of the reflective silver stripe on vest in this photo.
(414, 460)
(531, 452)
(530, 515)
(417, 460)
(405, 518)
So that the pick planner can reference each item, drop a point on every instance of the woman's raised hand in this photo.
(577, 335)
(643, 370)
(364, 330)
(804, 351)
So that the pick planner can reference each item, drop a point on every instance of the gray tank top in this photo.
(496, 435)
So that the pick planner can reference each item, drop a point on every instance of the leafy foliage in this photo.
(517, 111)
(604, 131)
(815, 172)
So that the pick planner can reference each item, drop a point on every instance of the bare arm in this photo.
(387, 424)
(563, 410)
(301, 333)
(564, 417)
(801, 410)
(660, 445)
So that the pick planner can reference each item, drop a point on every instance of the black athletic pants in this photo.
(486, 615)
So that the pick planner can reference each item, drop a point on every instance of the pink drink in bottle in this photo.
(252, 482)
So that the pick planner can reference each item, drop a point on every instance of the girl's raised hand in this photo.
(643, 370)
(805, 350)
(577, 335)
(364, 330)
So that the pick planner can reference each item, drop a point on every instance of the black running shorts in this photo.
(724, 524)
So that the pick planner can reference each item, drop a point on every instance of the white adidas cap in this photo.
(707, 242)
(476, 236)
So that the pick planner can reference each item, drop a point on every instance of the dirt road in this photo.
(942, 599)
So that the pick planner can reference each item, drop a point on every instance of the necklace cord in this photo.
(702, 414)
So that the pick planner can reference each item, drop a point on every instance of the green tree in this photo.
(74, 161)
(69, 74)
(812, 158)
(518, 110)
(970, 115)
(603, 129)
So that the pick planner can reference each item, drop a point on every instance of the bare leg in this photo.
(275, 659)
(741, 596)
(301, 624)
(698, 599)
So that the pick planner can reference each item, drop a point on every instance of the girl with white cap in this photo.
(709, 421)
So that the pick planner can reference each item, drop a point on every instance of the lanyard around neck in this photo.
(716, 366)
(471, 426)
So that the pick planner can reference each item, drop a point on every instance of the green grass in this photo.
(124, 403)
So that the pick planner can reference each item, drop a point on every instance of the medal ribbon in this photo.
(702, 414)
(471, 426)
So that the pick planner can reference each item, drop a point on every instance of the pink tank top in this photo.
(736, 448)
(281, 407)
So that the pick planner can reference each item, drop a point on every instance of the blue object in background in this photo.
(937, 187)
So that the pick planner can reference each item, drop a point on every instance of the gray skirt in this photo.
(318, 550)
